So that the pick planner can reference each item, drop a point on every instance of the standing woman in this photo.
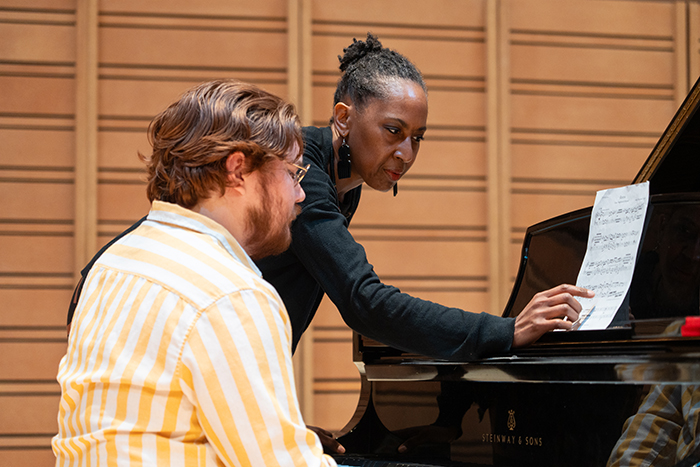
(379, 118)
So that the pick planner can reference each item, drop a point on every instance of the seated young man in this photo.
(179, 352)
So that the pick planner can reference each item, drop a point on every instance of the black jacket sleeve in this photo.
(322, 243)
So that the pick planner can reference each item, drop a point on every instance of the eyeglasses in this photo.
(300, 172)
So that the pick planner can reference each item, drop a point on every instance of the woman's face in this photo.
(384, 136)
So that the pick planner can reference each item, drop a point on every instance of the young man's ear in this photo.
(235, 166)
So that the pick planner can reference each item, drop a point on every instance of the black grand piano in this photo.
(625, 396)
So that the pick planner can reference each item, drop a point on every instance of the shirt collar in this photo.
(169, 213)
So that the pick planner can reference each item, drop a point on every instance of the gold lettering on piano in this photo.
(530, 441)
(496, 438)
(511, 420)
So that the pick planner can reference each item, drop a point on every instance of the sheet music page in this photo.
(617, 221)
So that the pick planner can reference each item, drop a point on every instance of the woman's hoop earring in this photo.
(344, 160)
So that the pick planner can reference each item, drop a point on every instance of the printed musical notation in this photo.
(609, 266)
(613, 241)
(615, 232)
(625, 215)
(609, 289)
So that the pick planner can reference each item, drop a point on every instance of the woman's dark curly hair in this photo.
(193, 138)
(367, 68)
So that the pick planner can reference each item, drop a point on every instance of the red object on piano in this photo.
(691, 326)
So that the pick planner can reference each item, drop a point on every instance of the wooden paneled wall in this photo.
(534, 105)
(590, 90)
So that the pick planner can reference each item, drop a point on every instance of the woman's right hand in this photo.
(552, 309)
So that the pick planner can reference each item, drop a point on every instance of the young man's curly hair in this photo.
(193, 138)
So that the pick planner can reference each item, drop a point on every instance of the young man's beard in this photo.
(270, 235)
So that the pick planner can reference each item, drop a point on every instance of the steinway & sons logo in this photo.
(511, 420)
(511, 438)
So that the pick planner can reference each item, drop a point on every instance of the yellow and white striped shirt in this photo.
(179, 354)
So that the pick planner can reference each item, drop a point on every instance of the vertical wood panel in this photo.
(682, 46)
(85, 133)
(498, 156)
(693, 41)
(299, 85)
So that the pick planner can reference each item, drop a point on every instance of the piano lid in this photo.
(665, 287)
(673, 166)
